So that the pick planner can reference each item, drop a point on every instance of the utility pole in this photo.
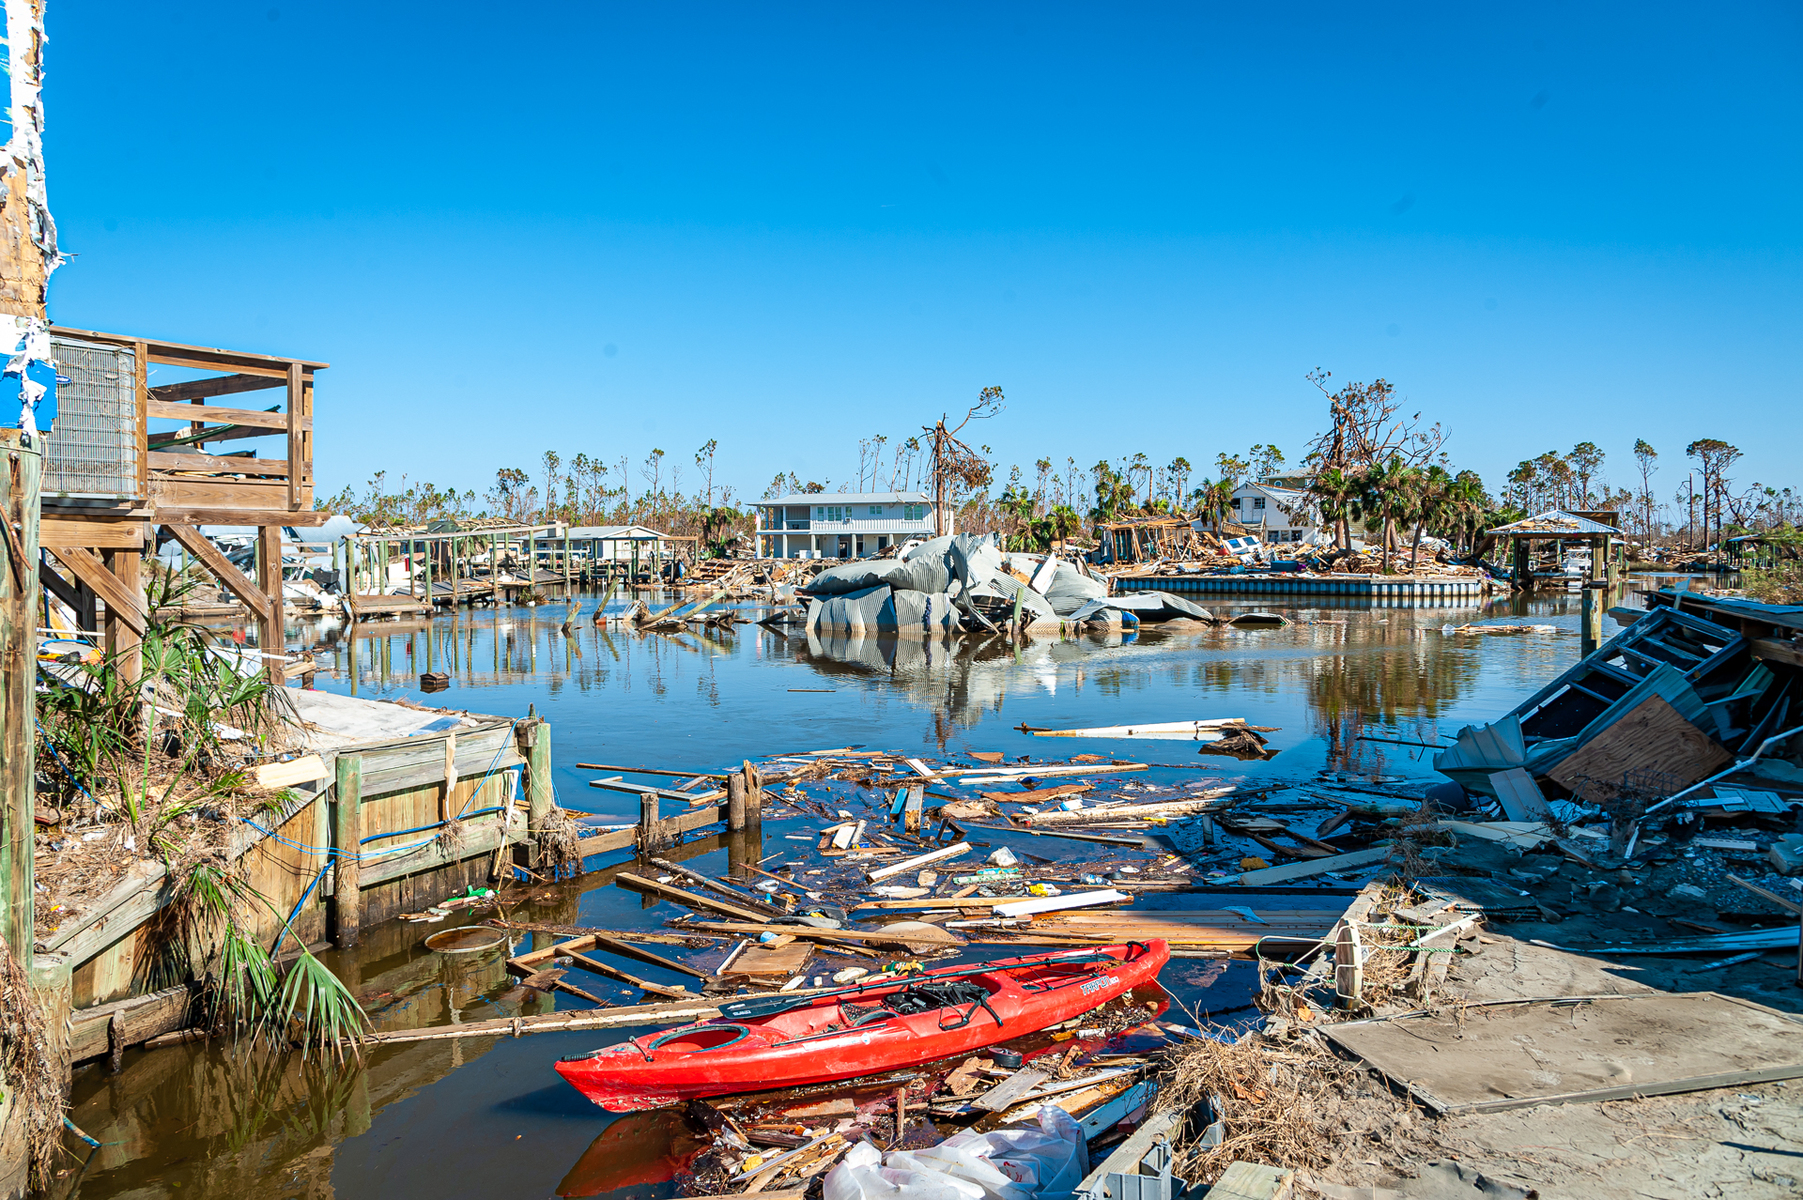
(27, 257)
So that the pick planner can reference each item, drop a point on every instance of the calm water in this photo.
(488, 1118)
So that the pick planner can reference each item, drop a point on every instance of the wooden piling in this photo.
(1591, 632)
(272, 638)
(19, 602)
(735, 803)
(651, 829)
(539, 795)
(347, 836)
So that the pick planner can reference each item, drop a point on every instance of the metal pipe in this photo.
(1739, 766)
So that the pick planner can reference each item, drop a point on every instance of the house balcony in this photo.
(894, 526)
(122, 441)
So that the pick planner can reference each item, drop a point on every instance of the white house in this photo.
(822, 525)
(1279, 514)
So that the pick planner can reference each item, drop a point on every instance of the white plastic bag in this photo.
(1018, 1162)
(859, 1176)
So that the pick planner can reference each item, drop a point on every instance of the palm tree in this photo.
(1334, 491)
(1432, 501)
(1386, 493)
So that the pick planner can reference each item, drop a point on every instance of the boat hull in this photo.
(840, 1037)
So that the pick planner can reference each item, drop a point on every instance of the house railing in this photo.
(855, 525)
(174, 469)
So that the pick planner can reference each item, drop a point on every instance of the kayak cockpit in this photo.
(698, 1039)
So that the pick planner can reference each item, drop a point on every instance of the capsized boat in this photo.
(778, 1041)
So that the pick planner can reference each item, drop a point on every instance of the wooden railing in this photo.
(177, 476)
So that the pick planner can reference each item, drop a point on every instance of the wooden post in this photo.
(272, 638)
(911, 811)
(735, 803)
(20, 466)
(566, 562)
(347, 908)
(539, 796)
(1590, 635)
(121, 639)
(651, 830)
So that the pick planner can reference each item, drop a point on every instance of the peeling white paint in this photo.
(23, 38)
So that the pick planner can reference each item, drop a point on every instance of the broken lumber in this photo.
(1314, 866)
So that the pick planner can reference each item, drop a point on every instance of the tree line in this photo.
(1374, 464)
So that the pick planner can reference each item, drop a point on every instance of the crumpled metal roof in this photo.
(1556, 523)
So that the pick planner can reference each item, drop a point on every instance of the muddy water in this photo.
(484, 1117)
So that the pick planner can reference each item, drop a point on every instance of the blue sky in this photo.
(603, 228)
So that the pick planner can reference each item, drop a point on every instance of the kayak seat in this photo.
(865, 1014)
(703, 1038)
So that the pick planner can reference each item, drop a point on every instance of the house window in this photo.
(914, 512)
(820, 513)
(1258, 502)
(876, 510)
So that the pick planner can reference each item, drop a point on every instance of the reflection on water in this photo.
(639, 1148)
(487, 1117)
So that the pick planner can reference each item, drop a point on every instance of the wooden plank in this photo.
(1314, 866)
(120, 603)
(1039, 795)
(141, 1018)
(1011, 1090)
(1253, 1181)
(200, 389)
(222, 568)
(913, 938)
(296, 386)
(557, 1022)
(274, 422)
(1654, 735)
(918, 861)
(96, 533)
(161, 460)
(770, 962)
(162, 352)
(597, 967)
(665, 892)
(248, 495)
(1188, 806)
(190, 515)
(305, 769)
(481, 837)
(1774, 650)
(695, 820)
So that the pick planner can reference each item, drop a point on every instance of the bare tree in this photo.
(704, 459)
(955, 466)
(1647, 458)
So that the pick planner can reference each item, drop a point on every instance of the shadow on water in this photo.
(485, 1116)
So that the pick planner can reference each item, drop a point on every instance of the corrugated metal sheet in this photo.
(1555, 523)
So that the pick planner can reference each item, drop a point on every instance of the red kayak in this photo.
(777, 1041)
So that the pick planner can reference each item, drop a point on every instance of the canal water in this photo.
(1347, 685)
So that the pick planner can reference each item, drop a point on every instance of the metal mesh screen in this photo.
(92, 448)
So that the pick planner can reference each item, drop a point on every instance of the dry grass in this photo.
(33, 1071)
(1291, 1106)
(560, 844)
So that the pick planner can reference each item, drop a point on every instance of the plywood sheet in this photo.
(1651, 735)
(1514, 1055)
(771, 962)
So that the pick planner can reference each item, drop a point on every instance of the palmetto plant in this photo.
(202, 933)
